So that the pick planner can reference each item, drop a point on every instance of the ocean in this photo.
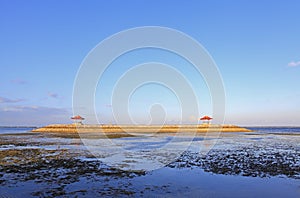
(262, 163)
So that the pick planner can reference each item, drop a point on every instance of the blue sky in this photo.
(255, 44)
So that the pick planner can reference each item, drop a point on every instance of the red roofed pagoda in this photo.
(206, 119)
(77, 119)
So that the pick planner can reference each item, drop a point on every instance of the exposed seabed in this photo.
(239, 165)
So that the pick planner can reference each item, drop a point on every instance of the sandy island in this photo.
(73, 128)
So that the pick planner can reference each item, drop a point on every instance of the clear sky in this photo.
(255, 44)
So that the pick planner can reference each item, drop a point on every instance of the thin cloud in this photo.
(18, 81)
(53, 95)
(8, 100)
(294, 64)
(17, 108)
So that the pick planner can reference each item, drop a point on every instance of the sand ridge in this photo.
(73, 128)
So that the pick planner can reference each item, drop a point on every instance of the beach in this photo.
(83, 128)
(150, 99)
(241, 164)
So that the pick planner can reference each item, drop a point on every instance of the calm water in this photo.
(276, 130)
(8, 130)
(166, 181)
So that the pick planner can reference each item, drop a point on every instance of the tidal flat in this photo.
(257, 164)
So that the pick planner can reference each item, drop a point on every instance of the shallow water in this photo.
(257, 164)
